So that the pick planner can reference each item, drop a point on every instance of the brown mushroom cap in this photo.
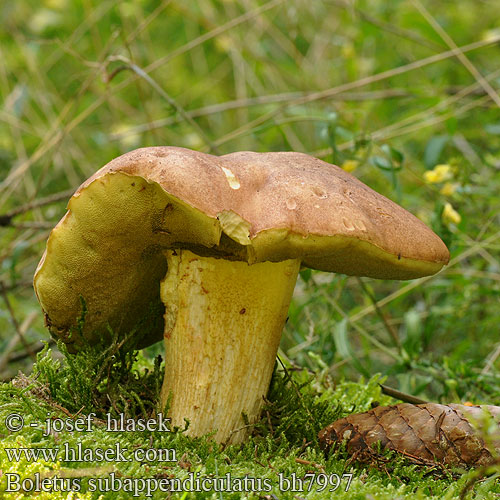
(246, 206)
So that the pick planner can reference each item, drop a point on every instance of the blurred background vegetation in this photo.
(404, 94)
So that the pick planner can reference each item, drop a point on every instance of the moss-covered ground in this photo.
(48, 459)
(373, 86)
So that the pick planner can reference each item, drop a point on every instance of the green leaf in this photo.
(305, 274)
(340, 339)
(381, 162)
(493, 128)
(342, 346)
(384, 163)
(434, 149)
(451, 125)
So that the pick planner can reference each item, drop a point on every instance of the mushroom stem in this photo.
(223, 323)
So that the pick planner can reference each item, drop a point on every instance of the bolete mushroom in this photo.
(204, 251)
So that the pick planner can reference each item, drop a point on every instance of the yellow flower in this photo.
(55, 4)
(449, 188)
(439, 173)
(44, 19)
(224, 43)
(450, 215)
(350, 165)
(348, 51)
(125, 133)
(130, 9)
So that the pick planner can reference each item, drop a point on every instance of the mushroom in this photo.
(204, 252)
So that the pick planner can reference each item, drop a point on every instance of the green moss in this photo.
(282, 449)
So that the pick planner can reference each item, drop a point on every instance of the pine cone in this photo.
(448, 434)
